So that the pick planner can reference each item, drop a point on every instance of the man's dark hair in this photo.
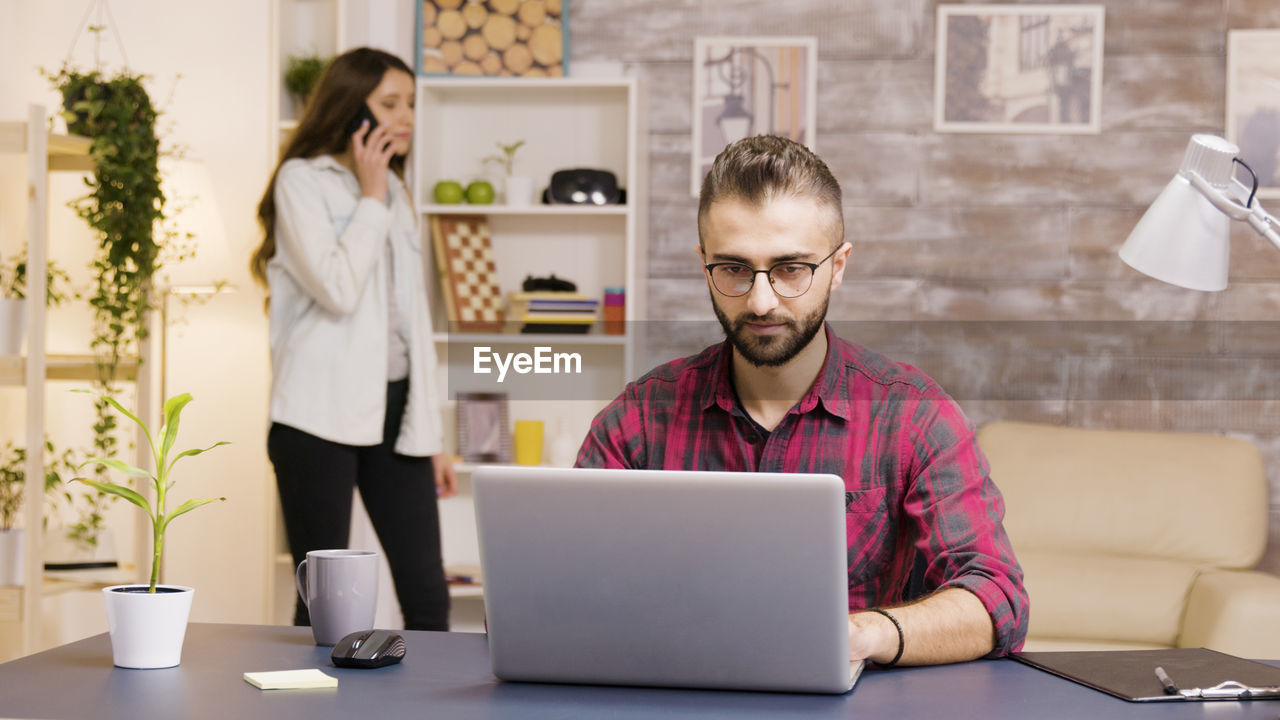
(760, 168)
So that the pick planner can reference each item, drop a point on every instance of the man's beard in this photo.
(771, 350)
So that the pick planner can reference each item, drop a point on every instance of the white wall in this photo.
(218, 110)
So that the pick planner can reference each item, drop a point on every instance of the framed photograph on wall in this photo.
(1018, 69)
(484, 432)
(1253, 104)
(746, 86)
(496, 37)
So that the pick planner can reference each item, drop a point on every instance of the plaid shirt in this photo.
(922, 512)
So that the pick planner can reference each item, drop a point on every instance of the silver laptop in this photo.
(665, 578)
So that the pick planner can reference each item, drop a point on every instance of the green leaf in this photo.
(186, 507)
(119, 490)
(172, 409)
(192, 453)
(118, 465)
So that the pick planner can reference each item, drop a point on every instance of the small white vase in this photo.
(10, 557)
(519, 190)
(13, 325)
(147, 629)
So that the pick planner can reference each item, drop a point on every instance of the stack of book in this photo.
(549, 311)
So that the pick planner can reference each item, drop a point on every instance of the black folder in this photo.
(1130, 674)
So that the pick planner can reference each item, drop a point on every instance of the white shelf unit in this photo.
(595, 123)
(48, 152)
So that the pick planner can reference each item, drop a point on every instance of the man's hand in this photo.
(372, 153)
(951, 625)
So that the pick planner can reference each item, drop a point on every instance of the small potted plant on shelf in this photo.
(300, 77)
(13, 476)
(148, 622)
(13, 299)
(517, 188)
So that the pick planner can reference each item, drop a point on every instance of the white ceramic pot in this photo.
(10, 557)
(13, 325)
(147, 629)
(519, 190)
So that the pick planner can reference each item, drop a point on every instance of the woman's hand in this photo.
(446, 475)
(371, 154)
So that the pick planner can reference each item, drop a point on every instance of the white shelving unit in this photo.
(47, 152)
(595, 123)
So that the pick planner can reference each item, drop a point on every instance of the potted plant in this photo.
(148, 622)
(13, 476)
(518, 189)
(13, 303)
(300, 77)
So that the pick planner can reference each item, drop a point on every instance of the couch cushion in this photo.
(1128, 600)
(1189, 497)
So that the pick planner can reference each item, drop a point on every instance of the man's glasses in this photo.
(789, 279)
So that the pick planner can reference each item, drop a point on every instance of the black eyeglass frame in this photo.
(813, 270)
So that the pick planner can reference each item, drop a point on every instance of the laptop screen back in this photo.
(665, 578)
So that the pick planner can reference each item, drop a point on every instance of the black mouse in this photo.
(368, 649)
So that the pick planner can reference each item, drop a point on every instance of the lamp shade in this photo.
(1183, 239)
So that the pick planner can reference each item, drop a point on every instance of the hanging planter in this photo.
(124, 206)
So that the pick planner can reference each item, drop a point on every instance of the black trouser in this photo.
(315, 478)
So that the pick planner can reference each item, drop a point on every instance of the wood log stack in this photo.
(493, 37)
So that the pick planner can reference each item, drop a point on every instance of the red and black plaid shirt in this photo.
(922, 512)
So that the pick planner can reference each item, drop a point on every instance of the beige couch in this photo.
(1137, 539)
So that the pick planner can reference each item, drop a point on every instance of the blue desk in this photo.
(446, 675)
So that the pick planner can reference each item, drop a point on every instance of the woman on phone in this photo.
(354, 401)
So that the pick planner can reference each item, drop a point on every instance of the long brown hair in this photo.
(343, 87)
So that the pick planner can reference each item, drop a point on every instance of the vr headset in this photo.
(581, 186)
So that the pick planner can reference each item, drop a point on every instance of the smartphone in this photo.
(364, 113)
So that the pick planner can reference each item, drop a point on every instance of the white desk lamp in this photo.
(1183, 237)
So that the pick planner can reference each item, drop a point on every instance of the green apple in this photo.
(480, 192)
(447, 192)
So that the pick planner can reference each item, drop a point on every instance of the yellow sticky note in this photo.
(290, 679)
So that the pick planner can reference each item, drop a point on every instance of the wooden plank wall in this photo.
(989, 260)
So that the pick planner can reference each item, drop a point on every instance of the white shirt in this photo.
(330, 308)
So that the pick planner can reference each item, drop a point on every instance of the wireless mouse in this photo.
(368, 649)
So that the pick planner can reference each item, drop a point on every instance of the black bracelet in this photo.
(901, 642)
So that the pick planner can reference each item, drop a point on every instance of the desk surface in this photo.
(446, 675)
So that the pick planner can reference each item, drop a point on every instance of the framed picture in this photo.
(493, 37)
(746, 86)
(1253, 104)
(484, 433)
(1018, 69)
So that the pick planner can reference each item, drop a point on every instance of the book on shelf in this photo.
(520, 304)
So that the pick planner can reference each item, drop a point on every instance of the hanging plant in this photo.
(124, 207)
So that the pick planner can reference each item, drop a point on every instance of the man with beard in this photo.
(932, 577)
